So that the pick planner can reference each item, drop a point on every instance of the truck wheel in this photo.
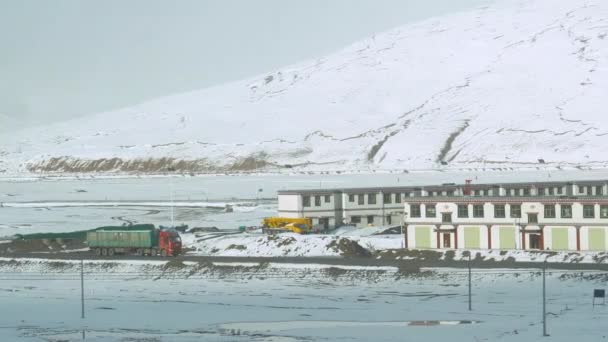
(104, 251)
(110, 251)
(163, 252)
(98, 251)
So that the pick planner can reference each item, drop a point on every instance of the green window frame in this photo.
(415, 210)
(588, 211)
(566, 211)
(499, 211)
(549, 210)
(478, 211)
(463, 211)
(430, 210)
(515, 211)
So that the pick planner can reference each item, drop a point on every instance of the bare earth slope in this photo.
(503, 85)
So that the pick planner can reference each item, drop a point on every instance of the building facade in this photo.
(538, 216)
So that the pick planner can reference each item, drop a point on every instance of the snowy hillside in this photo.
(504, 85)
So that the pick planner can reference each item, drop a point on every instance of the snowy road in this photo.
(137, 301)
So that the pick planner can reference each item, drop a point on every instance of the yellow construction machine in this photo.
(274, 225)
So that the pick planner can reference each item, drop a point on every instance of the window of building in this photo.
(406, 195)
(371, 198)
(360, 199)
(589, 211)
(370, 219)
(306, 201)
(463, 211)
(515, 210)
(446, 217)
(430, 210)
(351, 198)
(603, 211)
(389, 219)
(549, 210)
(478, 210)
(599, 190)
(551, 191)
(526, 191)
(566, 211)
(532, 218)
(540, 191)
(499, 211)
(327, 198)
(387, 198)
(450, 193)
(317, 201)
(414, 210)
(355, 219)
(397, 198)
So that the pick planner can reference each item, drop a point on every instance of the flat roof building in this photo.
(532, 215)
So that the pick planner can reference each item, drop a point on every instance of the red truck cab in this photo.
(169, 242)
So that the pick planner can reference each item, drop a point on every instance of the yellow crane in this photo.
(273, 225)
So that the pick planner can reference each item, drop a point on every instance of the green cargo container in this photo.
(123, 238)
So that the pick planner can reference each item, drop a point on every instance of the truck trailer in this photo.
(139, 240)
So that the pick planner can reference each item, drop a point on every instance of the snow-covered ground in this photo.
(155, 301)
(503, 85)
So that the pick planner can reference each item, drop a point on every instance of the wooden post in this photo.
(578, 238)
(489, 236)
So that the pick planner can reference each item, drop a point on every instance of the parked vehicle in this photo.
(140, 240)
(274, 225)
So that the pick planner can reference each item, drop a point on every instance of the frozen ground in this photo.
(153, 301)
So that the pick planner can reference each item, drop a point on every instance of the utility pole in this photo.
(82, 288)
(544, 300)
(470, 304)
(171, 169)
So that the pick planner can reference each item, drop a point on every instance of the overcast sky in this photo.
(65, 58)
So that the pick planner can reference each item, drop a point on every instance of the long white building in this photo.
(546, 215)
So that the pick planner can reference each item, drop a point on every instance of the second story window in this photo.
(589, 211)
(371, 198)
(549, 210)
(463, 211)
(387, 198)
(306, 201)
(317, 201)
(351, 198)
(430, 210)
(515, 211)
(361, 199)
(327, 198)
(566, 211)
(446, 217)
(415, 210)
(397, 198)
(532, 218)
(478, 210)
(603, 211)
(499, 211)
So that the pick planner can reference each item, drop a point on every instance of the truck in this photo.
(137, 239)
(274, 225)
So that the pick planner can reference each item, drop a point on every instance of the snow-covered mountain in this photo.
(507, 84)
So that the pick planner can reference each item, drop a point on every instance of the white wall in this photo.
(290, 203)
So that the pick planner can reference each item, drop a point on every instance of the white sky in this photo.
(65, 58)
